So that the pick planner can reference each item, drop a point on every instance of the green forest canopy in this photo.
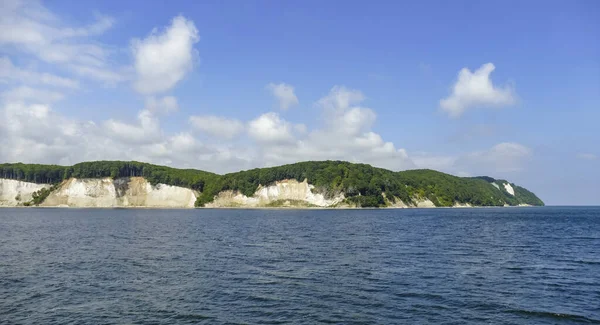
(362, 184)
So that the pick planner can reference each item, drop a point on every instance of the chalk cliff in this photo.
(15, 193)
(120, 192)
(332, 184)
(282, 193)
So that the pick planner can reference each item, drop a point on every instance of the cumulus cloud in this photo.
(475, 89)
(217, 126)
(270, 128)
(345, 135)
(284, 94)
(340, 99)
(163, 59)
(32, 131)
(147, 129)
(166, 104)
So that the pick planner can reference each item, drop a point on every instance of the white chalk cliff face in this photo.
(138, 192)
(291, 193)
(15, 193)
(509, 189)
(284, 193)
(120, 192)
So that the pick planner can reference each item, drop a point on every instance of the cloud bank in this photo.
(32, 129)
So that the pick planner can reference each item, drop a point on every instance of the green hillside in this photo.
(362, 184)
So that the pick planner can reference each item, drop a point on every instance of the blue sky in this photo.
(509, 89)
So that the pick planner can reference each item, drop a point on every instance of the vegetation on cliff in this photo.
(363, 185)
(54, 174)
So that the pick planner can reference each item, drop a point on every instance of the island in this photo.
(310, 184)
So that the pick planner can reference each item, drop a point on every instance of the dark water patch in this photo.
(554, 316)
(192, 317)
(447, 266)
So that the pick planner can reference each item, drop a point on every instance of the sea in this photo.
(281, 266)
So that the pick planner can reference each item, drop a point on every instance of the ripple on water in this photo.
(479, 266)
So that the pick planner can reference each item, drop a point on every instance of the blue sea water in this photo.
(415, 266)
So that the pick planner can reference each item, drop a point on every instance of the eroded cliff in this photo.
(283, 193)
(120, 192)
(16, 193)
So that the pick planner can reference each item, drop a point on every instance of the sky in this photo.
(508, 89)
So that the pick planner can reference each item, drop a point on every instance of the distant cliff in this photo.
(306, 184)
(119, 192)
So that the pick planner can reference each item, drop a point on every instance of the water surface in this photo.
(437, 266)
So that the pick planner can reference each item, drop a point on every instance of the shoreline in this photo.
(266, 208)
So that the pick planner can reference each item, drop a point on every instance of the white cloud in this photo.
(501, 159)
(166, 104)
(433, 161)
(587, 156)
(31, 131)
(33, 94)
(107, 76)
(284, 94)
(506, 157)
(340, 98)
(354, 121)
(184, 142)
(31, 25)
(346, 135)
(475, 89)
(163, 59)
(35, 133)
(270, 128)
(146, 131)
(30, 28)
(217, 126)
(9, 72)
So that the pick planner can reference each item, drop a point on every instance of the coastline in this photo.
(263, 208)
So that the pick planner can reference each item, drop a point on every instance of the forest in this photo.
(53, 174)
(362, 184)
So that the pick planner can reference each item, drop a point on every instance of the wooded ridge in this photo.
(361, 184)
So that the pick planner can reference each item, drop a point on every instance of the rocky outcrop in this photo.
(16, 193)
(283, 193)
(462, 205)
(120, 192)
(509, 189)
(291, 193)
(394, 202)
(424, 203)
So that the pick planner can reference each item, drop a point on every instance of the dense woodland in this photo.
(53, 174)
(362, 184)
